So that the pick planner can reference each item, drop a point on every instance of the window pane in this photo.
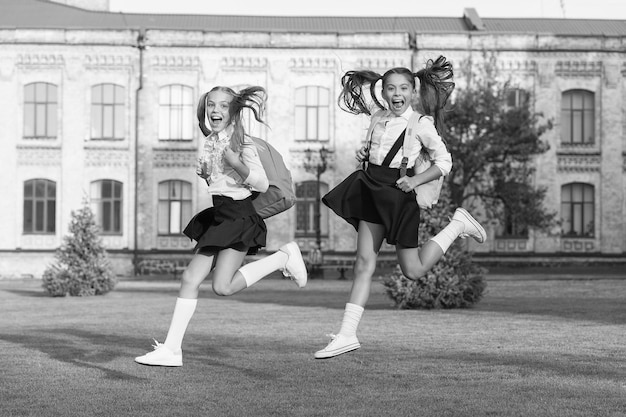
(40, 92)
(51, 130)
(52, 93)
(119, 124)
(311, 123)
(40, 122)
(106, 216)
(50, 221)
(29, 120)
(577, 100)
(577, 193)
(588, 134)
(163, 218)
(119, 95)
(28, 216)
(311, 96)
(186, 214)
(107, 94)
(117, 216)
(39, 216)
(107, 122)
(566, 126)
(175, 211)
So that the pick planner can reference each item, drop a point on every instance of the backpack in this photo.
(427, 194)
(280, 195)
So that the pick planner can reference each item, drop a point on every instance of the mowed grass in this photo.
(531, 347)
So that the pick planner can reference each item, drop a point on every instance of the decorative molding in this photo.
(174, 242)
(108, 61)
(578, 245)
(579, 162)
(381, 64)
(38, 60)
(39, 155)
(312, 63)
(175, 158)
(578, 68)
(168, 62)
(527, 67)
(243, 62)
(103, 157)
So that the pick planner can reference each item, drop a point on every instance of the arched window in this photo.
(306, 202)
(40, 111)
(106, 204)
(577, 117)
(107, 112)
(312, 113)
(174, 206)
(577, 210)
(39, 206)
(176, 112)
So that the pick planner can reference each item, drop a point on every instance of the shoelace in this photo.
(156, 344)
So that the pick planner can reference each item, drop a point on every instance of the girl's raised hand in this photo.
(361, 154)
(202, 169)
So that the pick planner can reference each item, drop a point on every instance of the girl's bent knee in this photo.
(222, 290)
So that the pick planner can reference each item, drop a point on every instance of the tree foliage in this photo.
(82, 267)
(493, 146)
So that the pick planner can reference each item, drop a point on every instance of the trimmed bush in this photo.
(454, 282)
(82, 266)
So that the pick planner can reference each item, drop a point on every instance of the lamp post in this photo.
(317, 163)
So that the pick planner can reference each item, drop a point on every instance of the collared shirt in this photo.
(388, 129)
(223, 179)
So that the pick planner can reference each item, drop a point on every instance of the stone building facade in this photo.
(106, 114)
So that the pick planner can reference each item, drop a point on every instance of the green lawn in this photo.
(531, 347)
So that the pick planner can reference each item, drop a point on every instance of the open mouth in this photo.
(397, 103)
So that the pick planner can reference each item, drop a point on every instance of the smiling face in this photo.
(398, 91)
(217, 110)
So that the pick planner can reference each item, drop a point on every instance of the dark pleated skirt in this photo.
(229, 223)
(372, 196)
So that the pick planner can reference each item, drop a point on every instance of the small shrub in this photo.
(82, 266)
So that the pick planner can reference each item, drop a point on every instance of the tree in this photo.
(82, 266)
(493, 145)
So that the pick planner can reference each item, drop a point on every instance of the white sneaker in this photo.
(472, 227)
(338, 344)
(295, 267)
(161, 356)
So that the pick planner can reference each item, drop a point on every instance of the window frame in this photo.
(577, 211)
(309, 201)
(185, 211)
(99, 206)
(179, 111)
(46, 108)
(103, 109)
(43, 206)
(575, 121)
(309, 104)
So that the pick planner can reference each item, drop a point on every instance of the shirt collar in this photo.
(223, 134)
(406, 115)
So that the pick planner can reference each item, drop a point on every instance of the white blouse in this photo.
(223, 179)
(389, 128)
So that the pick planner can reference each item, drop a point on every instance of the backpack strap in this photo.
(394, 150)
(408, 143)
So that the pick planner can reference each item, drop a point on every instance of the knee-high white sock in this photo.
(255, 271)
(351, 318)
(448, 234)
(183, 311)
